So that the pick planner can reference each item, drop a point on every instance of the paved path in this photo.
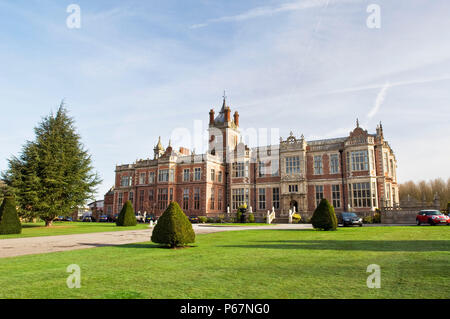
(39, 245)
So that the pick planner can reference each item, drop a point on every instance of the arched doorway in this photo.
(293, 204)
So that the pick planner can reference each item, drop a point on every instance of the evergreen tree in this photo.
(173, 228)
(126, 216)
(9, 220)
(53, 174)
(324, 216)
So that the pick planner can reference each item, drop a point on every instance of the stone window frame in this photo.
(276, 197)
(292, 165)
(197, 198)
(186, 175)
(142, 177)
(262, 198)
(360, 194)
(197, 173)
(336, 195)
(185, 200)
(318, 164)
(239, 196)
(334, 158)
(319, 195)
(359, 160)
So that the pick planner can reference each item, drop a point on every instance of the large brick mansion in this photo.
(356, 172)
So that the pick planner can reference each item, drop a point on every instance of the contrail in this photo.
(379, 100)
(269, 11)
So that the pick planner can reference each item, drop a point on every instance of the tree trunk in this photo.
(48, 223)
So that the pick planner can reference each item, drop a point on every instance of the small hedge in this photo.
(202, 219)
(9, 220)
(126, 216)
(251, 218)
(324, 217)
(173, 228)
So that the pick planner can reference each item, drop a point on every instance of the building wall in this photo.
(380, 174)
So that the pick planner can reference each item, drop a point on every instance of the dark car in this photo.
(148, 218)
(103, 219)
(432, 217)
(193, 219)
(350, 219)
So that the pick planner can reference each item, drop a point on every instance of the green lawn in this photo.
(240, 224)
(414, 261)
(67, 228)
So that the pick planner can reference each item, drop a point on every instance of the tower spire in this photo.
(357, 122)
(224, 105)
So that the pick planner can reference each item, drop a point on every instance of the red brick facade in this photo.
(296, 173)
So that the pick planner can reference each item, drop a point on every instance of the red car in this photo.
(432, 217)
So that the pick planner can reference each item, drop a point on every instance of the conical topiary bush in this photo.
(126, 216)
(173, 228)
(9, 220)
(324, 217)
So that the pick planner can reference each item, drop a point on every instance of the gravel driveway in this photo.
(40, 245)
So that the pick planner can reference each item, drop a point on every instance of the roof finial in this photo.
(357, 122)
(224, 105)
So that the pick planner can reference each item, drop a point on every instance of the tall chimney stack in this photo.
(211, 117)
(227, 114)
(236, 118)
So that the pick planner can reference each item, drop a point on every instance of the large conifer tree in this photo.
(53, 175)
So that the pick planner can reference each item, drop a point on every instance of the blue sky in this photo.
(139, 69)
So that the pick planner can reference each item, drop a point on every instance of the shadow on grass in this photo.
(352, 245)
(150, 245)
(33, 226)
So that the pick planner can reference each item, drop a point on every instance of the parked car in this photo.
(62, 219)
(349, 219)
(193, 219)
(432, 217)
(103, 219)
(148, 218)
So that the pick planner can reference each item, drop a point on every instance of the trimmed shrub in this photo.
(173, 228)
(219, 220)
(368, 220)
(126, 216)
(376, 218)
(251, 218)
(324, 217)
(202, 219)
(210, 220)
(9, 220)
